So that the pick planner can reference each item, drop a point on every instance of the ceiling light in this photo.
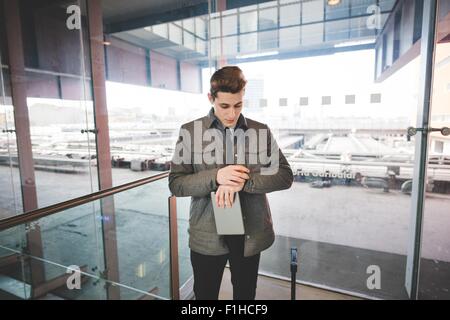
(354, 43)
(257, 55)
(333, 2)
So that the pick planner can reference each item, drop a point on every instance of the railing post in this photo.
(173, 245)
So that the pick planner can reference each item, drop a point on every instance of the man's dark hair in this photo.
(227, 79)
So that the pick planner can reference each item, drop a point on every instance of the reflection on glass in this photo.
(434, 279)
(184, 260)
(143, 238)
(10, 197)
(126, 234)
(58, 107)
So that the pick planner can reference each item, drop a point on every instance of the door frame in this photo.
(421, 147)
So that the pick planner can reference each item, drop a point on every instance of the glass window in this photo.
(360, 7)
(161, 30)
(189, 40)
(263, 103)
(342, 10)
(268, 19)
(375, 98)
(435, 251)
(248, 8)
(216, 47)
(289, 37)
(229, 12)
(268, 4)
(268, 40)
(248, 42)
(337, 30)
(312, 11)
(389, 48)
(290, 15)
(189, 25)
(312, 34)
(288, 1)
(230, 45)
(248, 21)
(175, 33)
(200, 28)
(439, 146)
(283, 102)
(386, 5)
(200, 46)
(326, 100)
(407, 28)
(215, 27)
(350, 99)
(229, 25)
(358, 28)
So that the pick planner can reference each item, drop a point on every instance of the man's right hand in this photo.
(232, 175)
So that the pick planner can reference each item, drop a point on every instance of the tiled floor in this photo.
(274, 289)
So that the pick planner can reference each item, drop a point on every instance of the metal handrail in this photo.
(49, 210)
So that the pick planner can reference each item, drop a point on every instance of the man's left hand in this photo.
(225, 195)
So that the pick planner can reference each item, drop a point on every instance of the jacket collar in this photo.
(212, 120)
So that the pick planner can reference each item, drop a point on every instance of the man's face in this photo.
(228, 107)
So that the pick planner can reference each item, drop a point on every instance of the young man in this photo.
(252, 169)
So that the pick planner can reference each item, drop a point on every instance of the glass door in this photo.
(338, 86)
(432, 240)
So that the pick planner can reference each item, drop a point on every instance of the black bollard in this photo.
(294, 261)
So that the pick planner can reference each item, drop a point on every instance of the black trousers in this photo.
(208, 271)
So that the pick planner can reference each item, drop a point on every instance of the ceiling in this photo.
(119, 11)
(326, 27)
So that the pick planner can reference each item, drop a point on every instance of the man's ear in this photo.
(210, 97)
